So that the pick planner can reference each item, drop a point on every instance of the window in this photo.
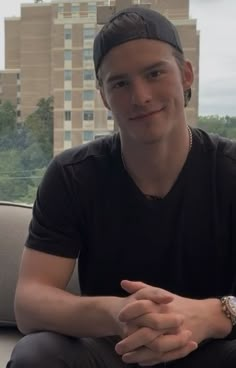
(67, 135)
(60, 9)
(88, 115)
(88, 54)
(88, 135)
(67, 95)
(67, 55)
(18, 113)
(89, 33)
(74, 9)
(18, 100)
(109, 115)
(88, 74)
(18, 76)
(92, 8)
(67, 33)
(67, 115)
(88, 95)
(68, 75)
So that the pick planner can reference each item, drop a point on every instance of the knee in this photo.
(38, 350)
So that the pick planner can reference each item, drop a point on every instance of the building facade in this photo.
(48, 52)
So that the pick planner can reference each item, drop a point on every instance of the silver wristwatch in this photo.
(229, 307)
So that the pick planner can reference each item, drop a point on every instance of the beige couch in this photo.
(14, 221)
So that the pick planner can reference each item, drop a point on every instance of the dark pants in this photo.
(47, 350)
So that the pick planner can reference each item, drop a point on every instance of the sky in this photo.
(217, 26)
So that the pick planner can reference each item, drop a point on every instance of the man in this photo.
(149, 211)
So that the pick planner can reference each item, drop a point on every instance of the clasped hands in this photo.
(158, 326)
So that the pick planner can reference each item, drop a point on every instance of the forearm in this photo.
(48, 308)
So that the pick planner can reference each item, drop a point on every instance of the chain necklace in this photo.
(149, 196)
(190, 135)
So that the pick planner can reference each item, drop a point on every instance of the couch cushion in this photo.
(8, 339)
(14, 222)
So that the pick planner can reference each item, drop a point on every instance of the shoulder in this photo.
(99, 149)
(219, 154)
(223, 148)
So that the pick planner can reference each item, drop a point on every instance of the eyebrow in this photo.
(116, 77)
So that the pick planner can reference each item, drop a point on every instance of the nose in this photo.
(140, 93)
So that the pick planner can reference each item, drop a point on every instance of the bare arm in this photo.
(41, 302)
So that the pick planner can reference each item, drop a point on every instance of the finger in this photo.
(132, 286)
(180, 353)
(165, 323)
(161, 347)
(172, 355)
(144, 313)
(142, 336)
(157, 295)
(144, 291)
(136, 309)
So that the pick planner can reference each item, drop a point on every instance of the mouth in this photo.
(146, 115)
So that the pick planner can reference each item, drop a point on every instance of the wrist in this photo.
(116, 304)
(219, 325)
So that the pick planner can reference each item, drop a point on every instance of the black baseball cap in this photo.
(156, 27)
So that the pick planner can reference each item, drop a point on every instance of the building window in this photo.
(60, 8)
(88, 115)
(109, 115)
(68, 75)
(18, 100)
(88, 135)
(89, 33)
(18, 113)
(88, 74)
(67, 55)
(67, 135)
(18, 76)
(75, 9)
(67, 115)
(92, 8)
(88, 95)
(88, 54)
(67, 95)
(67, 33)
(18, 88)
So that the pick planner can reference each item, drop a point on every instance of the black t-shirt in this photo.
(87, 206)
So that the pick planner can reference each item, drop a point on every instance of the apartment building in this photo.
(48, 52)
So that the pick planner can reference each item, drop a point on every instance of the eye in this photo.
(120, 84)
(154, 74)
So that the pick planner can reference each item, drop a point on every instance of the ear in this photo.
(103, 97)
(188, 76)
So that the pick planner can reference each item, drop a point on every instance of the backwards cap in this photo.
(156, 27)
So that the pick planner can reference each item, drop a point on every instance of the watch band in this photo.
(229, 308)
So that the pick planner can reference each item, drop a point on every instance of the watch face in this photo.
(232, 304)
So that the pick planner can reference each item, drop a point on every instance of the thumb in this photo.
(132, 286)
(145, 291)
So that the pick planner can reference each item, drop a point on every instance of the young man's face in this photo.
(143, 87)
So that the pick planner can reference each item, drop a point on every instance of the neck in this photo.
(155, 167)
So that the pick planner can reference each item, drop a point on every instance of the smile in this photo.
(146, 115)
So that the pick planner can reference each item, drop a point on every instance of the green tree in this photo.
(7, 118)
(13, 179)
(24, 151)
(39, 126)
(222, 125)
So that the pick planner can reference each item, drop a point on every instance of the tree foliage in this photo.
(25, 150)
(222, 125)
